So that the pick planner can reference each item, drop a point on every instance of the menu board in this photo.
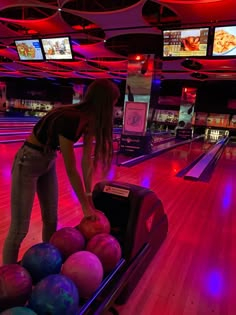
(185, 42)
(57, 48)
(29, 49)
(224, 41)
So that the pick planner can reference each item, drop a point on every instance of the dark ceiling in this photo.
(105, 32)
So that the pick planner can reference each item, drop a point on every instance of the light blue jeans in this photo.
(32, 171)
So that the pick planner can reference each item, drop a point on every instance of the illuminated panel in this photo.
(185, 42)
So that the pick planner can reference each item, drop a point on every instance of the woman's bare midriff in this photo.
(32, 139)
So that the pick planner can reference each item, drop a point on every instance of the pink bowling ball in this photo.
(85, 270)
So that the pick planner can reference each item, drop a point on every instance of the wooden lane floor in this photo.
(194, 271)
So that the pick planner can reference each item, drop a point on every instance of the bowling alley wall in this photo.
(215, 104)
(28, 97)
(35, 97)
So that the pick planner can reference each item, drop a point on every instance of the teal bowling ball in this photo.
(55, 295)
(18, 311)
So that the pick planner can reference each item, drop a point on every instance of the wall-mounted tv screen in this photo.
(224, 41)
(57, 48)
(185, 42)
(29, 49)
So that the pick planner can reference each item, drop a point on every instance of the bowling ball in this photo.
(41, 260)
(55, 295)
(68, 240)
(18, 311)
(106, 248)
(85, 270)
(15, 286)
(90, 228)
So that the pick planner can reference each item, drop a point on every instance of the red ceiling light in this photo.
(88, 27)
(32, 32)
(189, 1)
(136, 57)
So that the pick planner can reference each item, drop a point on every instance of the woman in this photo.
(34, 168)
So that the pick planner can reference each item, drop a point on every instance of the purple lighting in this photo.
(215, 283)
(146, 181)
(111, 174)
(227, 197)
(73, 195)
(6, 172)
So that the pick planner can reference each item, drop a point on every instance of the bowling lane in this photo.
(19, 125)
(174, 160)
(12, 136)
(181, 156)
(163, 147)
(13, 133)
(18, 137)
(197, 260)
(14, 129)
(11, 139)
(160, 139)
(16, 124)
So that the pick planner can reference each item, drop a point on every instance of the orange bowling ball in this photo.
(90, 228)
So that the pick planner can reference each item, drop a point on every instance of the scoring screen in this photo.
(185, 42)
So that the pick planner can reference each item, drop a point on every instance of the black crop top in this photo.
(67, 121)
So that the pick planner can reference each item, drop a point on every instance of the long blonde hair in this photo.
(98, 101)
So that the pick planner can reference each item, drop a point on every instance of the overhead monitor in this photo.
(57, 48)
(185, 42)
(224, 41)
(29, 50)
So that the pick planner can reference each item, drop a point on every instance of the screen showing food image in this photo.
(57, 48)
(185, 42)
(224, 41)
(29, 49)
